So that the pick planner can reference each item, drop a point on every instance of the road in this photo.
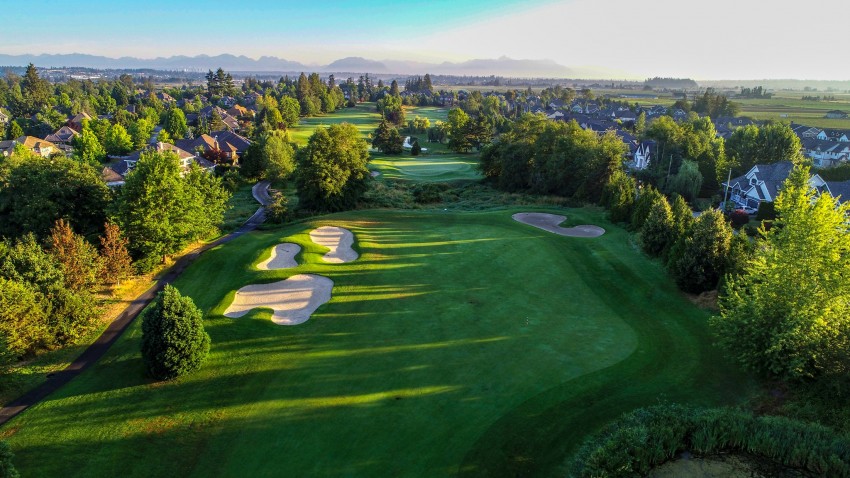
(96, 350)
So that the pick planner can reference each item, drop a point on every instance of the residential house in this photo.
(230, 144)
(836, 114)
(238, 111)
(38, 146)
(826, 153)
(165, 98)
(4, 118)
(122, 166)
(808, 132)
(762, 183)
(555, 115)
(63, 138)
(644, 152)
(76, 122)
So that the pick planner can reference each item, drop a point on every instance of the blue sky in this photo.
(703, 39)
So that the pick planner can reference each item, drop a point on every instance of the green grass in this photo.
(458, 344)
(426, 168)
(433, 113)
(242, 207)
(363, 116)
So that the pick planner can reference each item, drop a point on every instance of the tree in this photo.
(683, 217)
(174, 342)
(699, 258)
(415, 150)
(290, 110)
(117, 264)
(457, 124)
(23, 319)
(332, 173)
(619, 197)
(751, 145)
(35, 193)
(640, 124)
(786, 314)
(687, 181)
(175, 123)
(657, 233)
(161, 211)
(140, 132)
(643, 205)
(118, 141)
(15, 130)
(87, 148)
(394, 88)
(386, 139)
(79, 260)
(35, 91)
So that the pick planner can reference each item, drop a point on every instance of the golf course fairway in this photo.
(456, 344)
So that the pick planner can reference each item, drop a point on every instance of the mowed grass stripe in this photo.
(451, 333)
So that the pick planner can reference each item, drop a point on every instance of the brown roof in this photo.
(110, 176)
(31, 142)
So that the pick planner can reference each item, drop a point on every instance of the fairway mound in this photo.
(338, 240)
(283, 257)
(549, 223)
(292, 301)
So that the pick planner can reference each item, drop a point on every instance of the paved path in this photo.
(96, 350)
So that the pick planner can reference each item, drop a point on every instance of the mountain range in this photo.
(502, 66)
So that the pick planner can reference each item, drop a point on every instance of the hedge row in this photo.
(647, 437)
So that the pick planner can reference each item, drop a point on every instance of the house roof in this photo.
(109, 175)
(33, 143)
(839, 189)
(763, 180)
(63, 135)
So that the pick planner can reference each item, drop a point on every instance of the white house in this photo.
(762, 184)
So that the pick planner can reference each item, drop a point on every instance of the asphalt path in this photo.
(96, 350)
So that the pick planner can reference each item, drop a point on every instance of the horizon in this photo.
(722, 41)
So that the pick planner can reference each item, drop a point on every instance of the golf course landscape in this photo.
(456, 344)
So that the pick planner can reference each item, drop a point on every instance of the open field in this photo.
(457, 344)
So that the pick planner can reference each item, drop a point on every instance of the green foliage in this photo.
(786, 315)
(658, 231)
(391, 109)
(332, 171)
(687, 181)
(751, 145)
(24, 325)
(386, 139)
(174, 342)
(118, 141)
(647, 437)
(7, 469)
(35, 193)
(647, 197)
(278, 211)
(162, 211)
(415, 150)
(290, 111)
(15, 130)
(619, 196)
(683, 216)
(140, 131)
(699, 258)
(80, 263)
(766, 211)
(269, 156)
(549, 157)
(88, 149)
(456, 127)
(175, 123)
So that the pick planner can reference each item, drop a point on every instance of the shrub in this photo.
(429, 192)
(739, 218)
(699, 258)
(7, 469)
(278, 211)
(766, 211)
(658, 231)
(647, 437)
(174, 342)
(643, 205)
(415, 149)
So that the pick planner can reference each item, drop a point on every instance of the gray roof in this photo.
(839, 189)
(771, 175)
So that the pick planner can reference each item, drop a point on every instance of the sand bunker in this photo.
(283, 257)
(549, 222)
(293, 300)
(338, 240)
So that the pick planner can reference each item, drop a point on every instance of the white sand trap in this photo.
(293, 300)
(338, 240)
(549, 222)
(283, 257)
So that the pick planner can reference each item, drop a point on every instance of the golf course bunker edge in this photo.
(292, 301)
(549, 223)
(339, 240)
(283, 257)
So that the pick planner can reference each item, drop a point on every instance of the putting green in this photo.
(430, 168)
(457, 344)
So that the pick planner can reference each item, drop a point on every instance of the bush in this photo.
(739, 218)
(699, 257)
(231, 180)
(174, 342)
(766, 211)
(278, 211)
(7, 469)
(429, 192)
(415, 149)
(647, 437)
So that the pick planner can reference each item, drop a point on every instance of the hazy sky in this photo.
(719, 39)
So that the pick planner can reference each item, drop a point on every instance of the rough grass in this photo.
(458, 344)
